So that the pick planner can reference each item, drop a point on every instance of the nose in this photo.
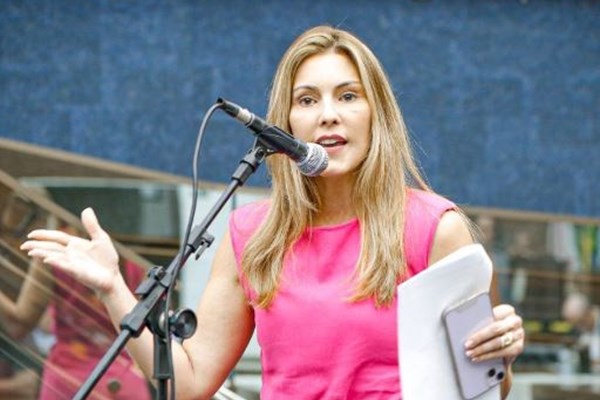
(329, 113)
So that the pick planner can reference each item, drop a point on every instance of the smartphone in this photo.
(461, 321)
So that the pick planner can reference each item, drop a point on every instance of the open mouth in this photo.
(331, 141)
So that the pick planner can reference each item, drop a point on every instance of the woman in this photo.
(315, 268)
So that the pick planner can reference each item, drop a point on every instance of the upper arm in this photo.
(451, 234)
(225, 323)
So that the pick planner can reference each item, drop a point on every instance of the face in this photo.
(329, 107)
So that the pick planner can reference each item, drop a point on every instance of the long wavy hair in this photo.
(379, 193)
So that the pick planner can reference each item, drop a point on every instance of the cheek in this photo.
(367, 134)
(299, 125)
(361, 120)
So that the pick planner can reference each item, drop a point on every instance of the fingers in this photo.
(50, 252)
(45, 243)
(49, 235)
(505, 320)
(509, 346)
(51, 246)
(32, 245)
(504, 337)
(502, 311)
(56, 259)
(91, 224)
(93, 262)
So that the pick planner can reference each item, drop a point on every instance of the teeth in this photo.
(328, 142)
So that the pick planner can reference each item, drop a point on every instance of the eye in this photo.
(306, 101)
(348, 96)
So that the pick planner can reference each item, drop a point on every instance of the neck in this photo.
(337, 205)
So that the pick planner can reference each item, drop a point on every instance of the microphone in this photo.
(310, 158)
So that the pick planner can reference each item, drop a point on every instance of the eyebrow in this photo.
(341, 85)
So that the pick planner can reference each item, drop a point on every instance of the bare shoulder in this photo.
(453, 232)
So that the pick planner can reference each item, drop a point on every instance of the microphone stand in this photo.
(149, 310)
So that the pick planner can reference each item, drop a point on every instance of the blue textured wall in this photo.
(502, 97)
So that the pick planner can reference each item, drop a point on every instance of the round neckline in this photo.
(351, 221)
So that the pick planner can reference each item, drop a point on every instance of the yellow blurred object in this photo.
(560, 327)
(533, 326)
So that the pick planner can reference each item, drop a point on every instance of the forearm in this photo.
(507, 382)
(7, 321)
(33, 298)
(119, 303)
(17, 322)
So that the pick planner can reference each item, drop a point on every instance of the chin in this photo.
(333, 172)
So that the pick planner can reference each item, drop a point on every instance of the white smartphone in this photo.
(461, 321)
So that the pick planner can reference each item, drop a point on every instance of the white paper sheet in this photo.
(426, 370)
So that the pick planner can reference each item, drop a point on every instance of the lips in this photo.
(331, 141)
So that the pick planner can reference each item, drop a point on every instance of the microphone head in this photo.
(315, 162)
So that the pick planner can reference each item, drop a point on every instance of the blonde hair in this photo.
(381, 182)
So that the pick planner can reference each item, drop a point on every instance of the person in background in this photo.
(314, 269)
(585, 317)
(82, 330)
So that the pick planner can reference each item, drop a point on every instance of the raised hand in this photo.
(93, 262)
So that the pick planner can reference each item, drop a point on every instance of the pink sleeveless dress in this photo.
(314, 343)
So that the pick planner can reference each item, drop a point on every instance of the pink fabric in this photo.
(83, 334)
(314, 343)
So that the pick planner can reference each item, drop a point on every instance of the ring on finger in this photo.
(506, 339)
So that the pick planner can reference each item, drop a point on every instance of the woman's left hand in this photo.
(503, 338)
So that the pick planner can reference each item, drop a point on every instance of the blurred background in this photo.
(102, 101)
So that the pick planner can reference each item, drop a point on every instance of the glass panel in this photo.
(49, 322)
(147, 220)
